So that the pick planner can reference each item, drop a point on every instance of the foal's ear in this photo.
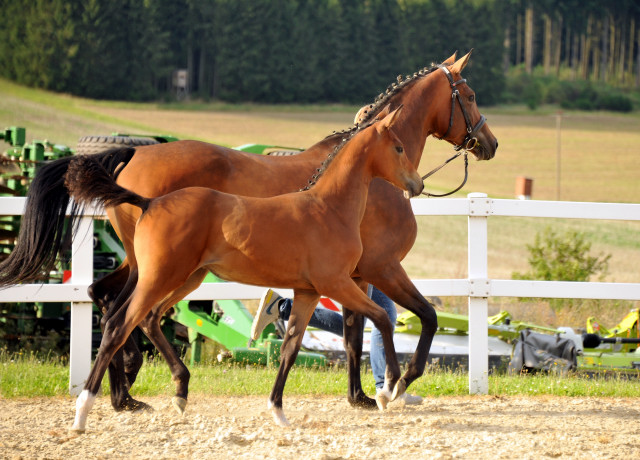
(384, 112)
(389, 120)
(451, 59)
(461, 63)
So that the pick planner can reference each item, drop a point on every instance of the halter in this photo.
(468, 143)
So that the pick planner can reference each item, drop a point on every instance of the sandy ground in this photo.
(325, 428)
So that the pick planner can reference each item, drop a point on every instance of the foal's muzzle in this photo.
(414, 187)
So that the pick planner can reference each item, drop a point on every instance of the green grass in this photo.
(30, 376)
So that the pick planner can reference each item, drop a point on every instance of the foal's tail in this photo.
(43, 233)
(89, 181)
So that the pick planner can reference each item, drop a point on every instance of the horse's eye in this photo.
(399, 149)
(472, 98)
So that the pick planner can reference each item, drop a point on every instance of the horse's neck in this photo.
(418, 117)
(345, 184)
(283, 174)
(317, 154)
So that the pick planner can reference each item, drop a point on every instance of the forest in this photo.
(310, 51)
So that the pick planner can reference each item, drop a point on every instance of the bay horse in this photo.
(437, 102)
(308, 241)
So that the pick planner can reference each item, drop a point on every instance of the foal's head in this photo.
(388, 157)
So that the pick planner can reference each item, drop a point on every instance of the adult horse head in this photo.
(451, 102)
(478, 138)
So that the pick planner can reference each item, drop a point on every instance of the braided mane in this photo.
(378, 104)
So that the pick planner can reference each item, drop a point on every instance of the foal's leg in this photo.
(150, 325)
(117, 329)
(348, 294)
(304, 302)
(395, 283)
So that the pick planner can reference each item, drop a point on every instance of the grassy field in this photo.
(598, 151)
(25, 375)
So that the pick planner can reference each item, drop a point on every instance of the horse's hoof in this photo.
(382, 399)
(362, 401)
(399, 389)
(132, 405)
(278, 416)
(77, 430)
(179, 404)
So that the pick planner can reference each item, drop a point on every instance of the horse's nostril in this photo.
(496, 145)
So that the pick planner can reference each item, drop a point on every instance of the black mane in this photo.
(378, 104)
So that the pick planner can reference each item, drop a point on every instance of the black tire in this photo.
(88, 145)
(284, 153)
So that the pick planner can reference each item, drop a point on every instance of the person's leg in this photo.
(272, 306)
(322, 318)
(377, 356)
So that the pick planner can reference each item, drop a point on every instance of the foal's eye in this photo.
(399, 149)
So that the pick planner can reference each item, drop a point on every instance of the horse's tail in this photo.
(89, 181)
(43, 233)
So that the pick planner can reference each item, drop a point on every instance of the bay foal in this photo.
(308, 241)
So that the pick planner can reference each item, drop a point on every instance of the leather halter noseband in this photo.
(468, 143)
(471, 129)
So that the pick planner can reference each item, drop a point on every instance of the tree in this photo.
(565, 257)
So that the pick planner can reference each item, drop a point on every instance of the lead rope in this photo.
(435, 170)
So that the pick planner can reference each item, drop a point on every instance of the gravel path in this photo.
(483, 427)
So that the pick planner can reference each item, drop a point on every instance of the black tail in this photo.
(89, 181)
(43, 234)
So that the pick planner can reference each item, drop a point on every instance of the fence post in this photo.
(479, 290)
(81, 312)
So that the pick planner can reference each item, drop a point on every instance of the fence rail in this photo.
(477, 286)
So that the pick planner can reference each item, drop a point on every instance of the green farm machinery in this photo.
(46, 325)
(612, 350)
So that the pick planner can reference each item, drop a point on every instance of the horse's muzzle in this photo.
(485, 149)
(414, 187)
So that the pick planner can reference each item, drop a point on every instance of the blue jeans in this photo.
(331, 321)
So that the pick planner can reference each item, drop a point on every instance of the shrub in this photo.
(533, 94)
(537, 89)
(615, 102)
(565, 257)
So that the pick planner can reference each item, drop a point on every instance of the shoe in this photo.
(410, 400)
(404, 398)
(267, 313)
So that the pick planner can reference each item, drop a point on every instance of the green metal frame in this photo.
(500, 325)
(614, 357)
(229, 324)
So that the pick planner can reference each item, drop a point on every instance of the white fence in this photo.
(477, 286)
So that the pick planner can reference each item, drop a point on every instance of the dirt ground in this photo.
(483, 427)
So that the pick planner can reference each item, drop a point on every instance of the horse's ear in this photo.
(461, 63)
(389, 120)
(451, 59)
(384, 112)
